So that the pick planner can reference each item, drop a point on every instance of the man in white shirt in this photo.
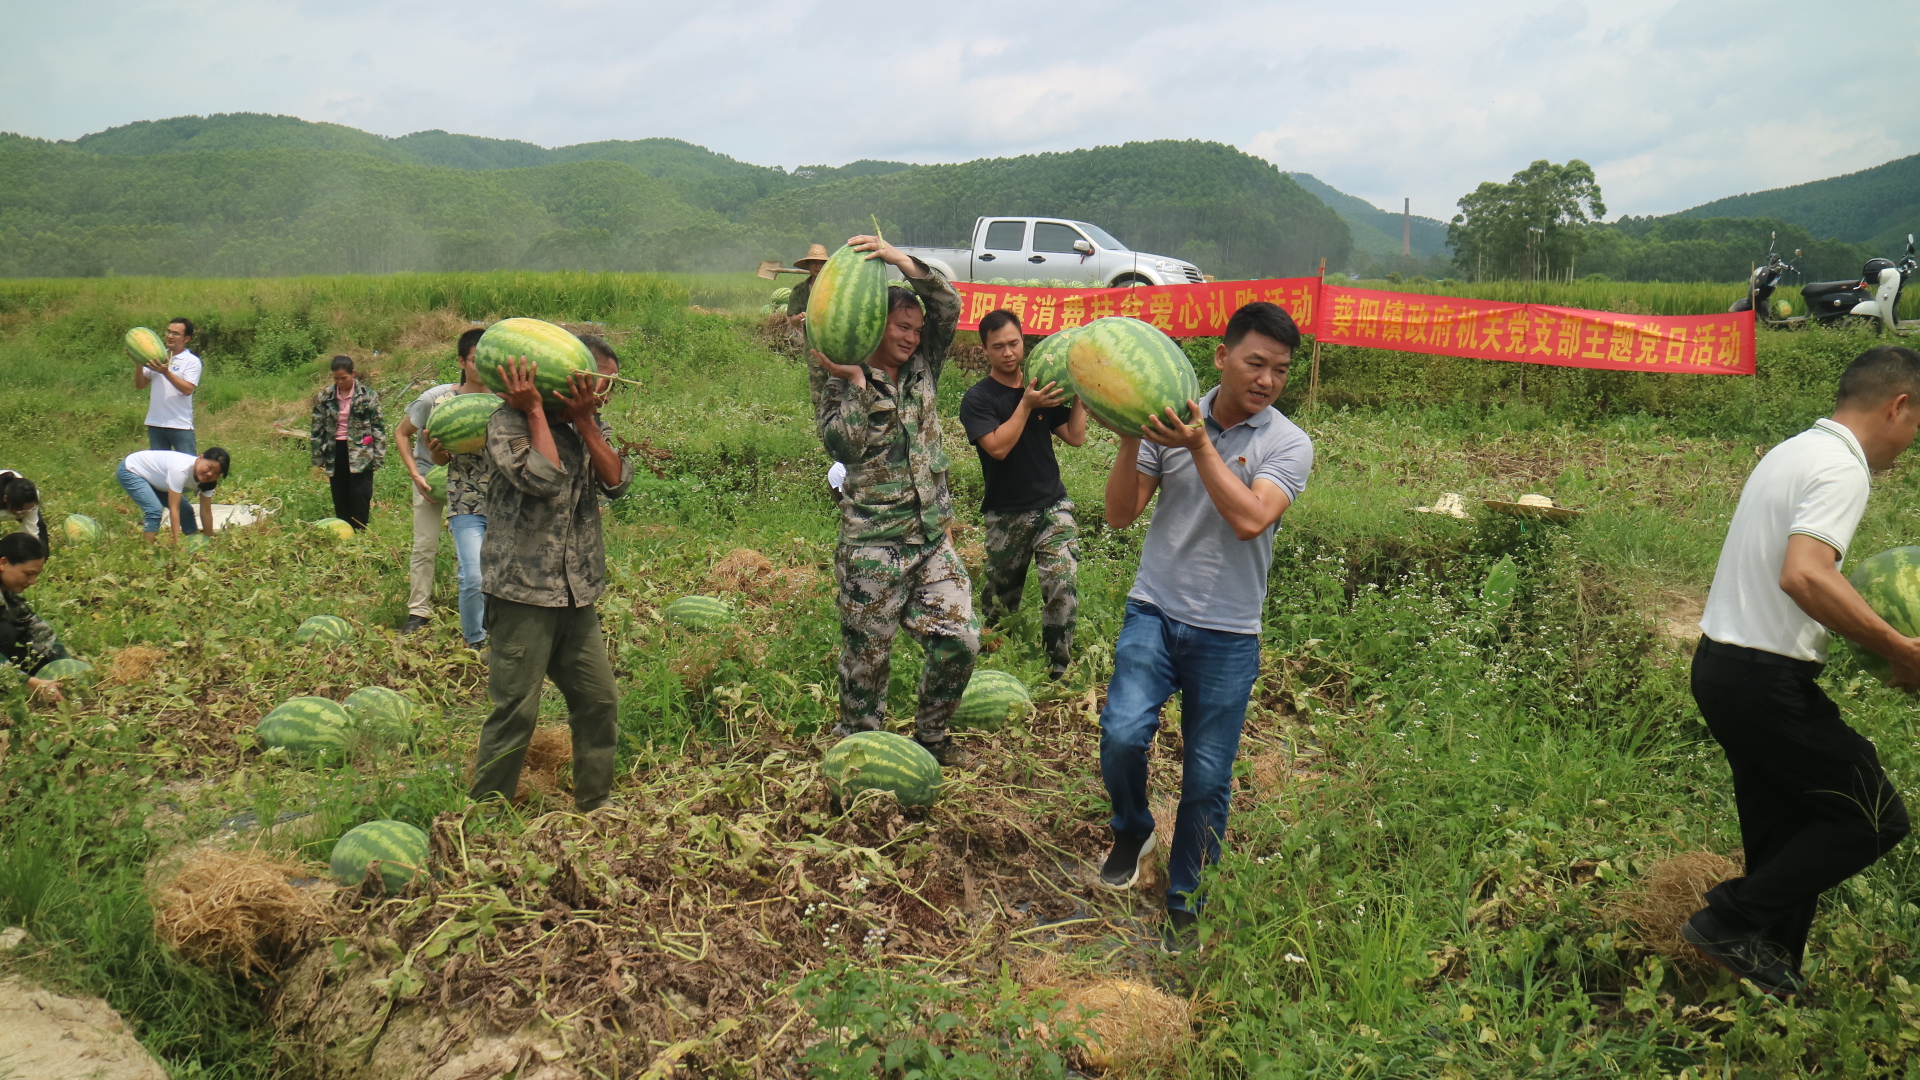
(157, 481)
(170, 384)
(1815, 807)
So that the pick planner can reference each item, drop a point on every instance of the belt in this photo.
(1760, 656)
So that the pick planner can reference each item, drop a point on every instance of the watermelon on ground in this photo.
(81, 529)
(700, 612)
(323, 629)
(554, 352)
(882, 761)
(378, 709)
(145, 346)
(991, 699)
(460, 422)
(67, 670)
(1048, 363)
(334, 527)
(847, 309)
(305, 726)
(394, 850)
(436, 479)
(1127, 370)
(1890, 584)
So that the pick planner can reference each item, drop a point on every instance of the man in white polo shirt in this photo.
(1193, 614)
(1815, 807)
(170, 384)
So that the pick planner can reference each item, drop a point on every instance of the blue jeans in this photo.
(171, 438)
(153, 503)
(468, 531)
(1213, 671)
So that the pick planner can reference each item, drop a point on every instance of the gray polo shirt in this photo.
(418, 412)
(1193, 567)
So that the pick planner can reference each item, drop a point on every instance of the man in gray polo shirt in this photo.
(1193, 614)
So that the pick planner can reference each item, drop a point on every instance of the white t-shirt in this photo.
(168, 470)
(167, 407)
(1814, 484)
(30, 521)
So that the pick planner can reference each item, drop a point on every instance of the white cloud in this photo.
(1673, 102)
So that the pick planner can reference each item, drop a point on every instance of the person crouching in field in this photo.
(428, 511)
(348, 441)
(1027, 516)
(1193, 615)
(543, 565)
(20, 501)
(157, 482)
(27, 643)
(895, 563)
(1815, 807)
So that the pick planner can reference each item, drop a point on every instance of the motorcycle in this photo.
(1875, 297)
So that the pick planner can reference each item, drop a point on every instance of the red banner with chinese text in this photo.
(1536, 333)
(1178, 310)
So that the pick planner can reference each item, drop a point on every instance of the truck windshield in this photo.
(1102, 237)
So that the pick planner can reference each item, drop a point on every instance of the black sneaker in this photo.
(414, 624)
(1180, 932)
(948, 753)
(1122, 867)
(1748, 956)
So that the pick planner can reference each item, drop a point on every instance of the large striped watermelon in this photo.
(1890, 584)
(67, 670)
(394, 850)
(460, 422)
(883, 761)
(1048, 363)
(81, 529)
(436, 479)
(700, 612)
(379, 710)
(323, 629)
(847, 309)
(306, 726)
(554, 353)
(991, 699)
(334, 527)
(145, 346)
(1127, 370)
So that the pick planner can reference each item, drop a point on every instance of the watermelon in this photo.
(1127, 370)
(883, 761)
(67, 670)
(1890, 584)
(436, 479)
(145, 346)
(306, 726)
(554, 353)
(334, 527)
(323, 629)
(81, 529)
(991, 699)
(460, 422)
(780, 297)
(1048, 363)
(394, 850)
(1783, 308)
(700, 612)
(378, 709)
(847, 309)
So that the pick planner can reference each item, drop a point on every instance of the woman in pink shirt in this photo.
(348, 441)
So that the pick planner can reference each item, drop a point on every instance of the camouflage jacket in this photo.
(366, 429)
(468, 476)
(28, 641)
(887, 434)
(543, 544)
(797, 299)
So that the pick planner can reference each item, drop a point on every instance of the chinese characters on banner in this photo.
(1178, 310)
(1536, 333)
(1406, 322)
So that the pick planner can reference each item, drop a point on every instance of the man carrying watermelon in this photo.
(1193, 615)
(428, 511)
(543, 566)
(1027, 516)
(1815, 807)
(895, 563)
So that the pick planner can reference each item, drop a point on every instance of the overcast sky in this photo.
(1673, 103)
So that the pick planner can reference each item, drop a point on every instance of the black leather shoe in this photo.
(1748, 955)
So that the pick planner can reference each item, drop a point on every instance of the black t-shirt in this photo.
(1028, 478)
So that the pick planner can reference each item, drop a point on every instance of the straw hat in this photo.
(815, 254)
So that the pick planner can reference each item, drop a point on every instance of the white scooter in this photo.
(1885, 278)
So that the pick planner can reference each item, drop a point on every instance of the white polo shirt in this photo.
(1814, 484)
(166, 406)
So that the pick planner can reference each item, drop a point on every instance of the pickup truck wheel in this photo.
(1128, 281)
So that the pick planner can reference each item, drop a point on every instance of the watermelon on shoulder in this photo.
(992, 698)
(1127, 370)
(394, 850)
(553, 351)
(306, 727)
(1890, 584)
(882, 761)
(847, 308)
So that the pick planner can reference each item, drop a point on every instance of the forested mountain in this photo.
(1880, 205)
(1376, 232)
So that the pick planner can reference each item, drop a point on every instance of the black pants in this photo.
(1815, 806)
(352, 491)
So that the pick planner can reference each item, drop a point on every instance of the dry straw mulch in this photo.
(235, 911)
(1671, 891)
(1129, 1025)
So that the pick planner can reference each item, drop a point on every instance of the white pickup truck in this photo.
(1016, 249)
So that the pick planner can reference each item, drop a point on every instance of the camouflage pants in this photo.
(924, 588)
(1049, 540)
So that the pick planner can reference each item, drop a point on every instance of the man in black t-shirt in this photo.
(1029, 520)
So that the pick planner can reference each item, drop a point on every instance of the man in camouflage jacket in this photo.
(895, 563)
(543, 565)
